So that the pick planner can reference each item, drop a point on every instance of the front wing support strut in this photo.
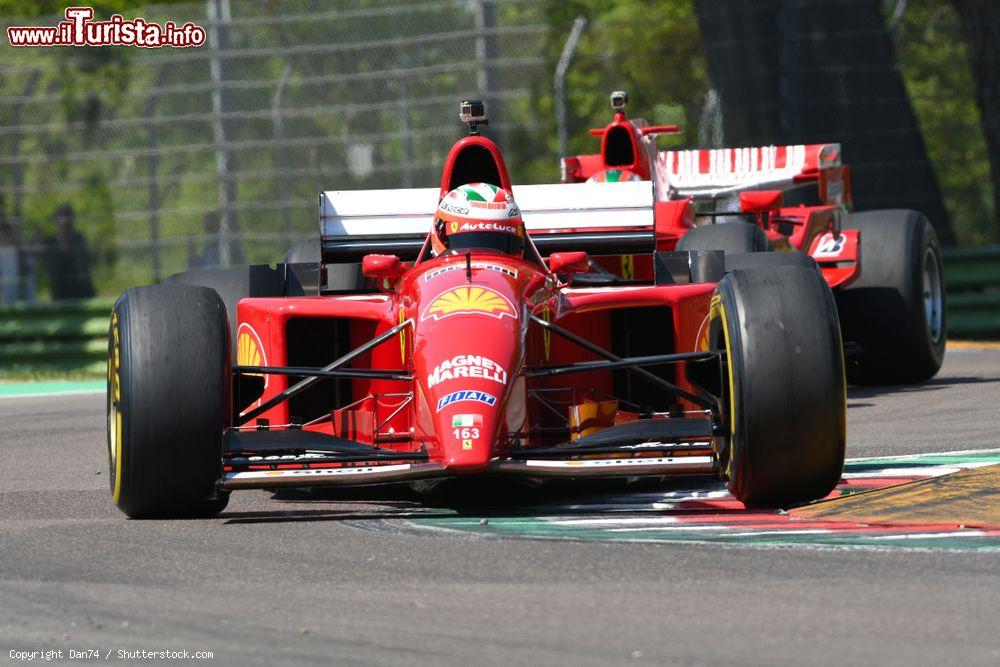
(302, 385)
(628, 365)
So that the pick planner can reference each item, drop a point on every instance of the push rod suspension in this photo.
(610, 356)
(299, 371)
(302, 385)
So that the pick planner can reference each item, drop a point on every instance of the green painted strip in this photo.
(944, 458)
(541, 528)
(650, 524)
(25, 389)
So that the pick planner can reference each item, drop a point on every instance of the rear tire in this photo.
(784, 385)
(306, 251)
(169, 379)
(731, 237)
(232, 284)
(770, 260)
(895, 310)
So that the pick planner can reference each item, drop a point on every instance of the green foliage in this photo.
(29, 8)
(932, 57)
(99, 119)
(652, 50)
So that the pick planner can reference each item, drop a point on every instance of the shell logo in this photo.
(546, 334)
(249, 349)
(466, 300)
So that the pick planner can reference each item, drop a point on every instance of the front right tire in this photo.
(784, 389)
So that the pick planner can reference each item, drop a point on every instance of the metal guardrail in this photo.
(72, 335)
(972, 276)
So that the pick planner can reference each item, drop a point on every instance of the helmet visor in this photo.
(508, 244)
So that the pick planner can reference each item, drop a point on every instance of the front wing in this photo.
(657, 447)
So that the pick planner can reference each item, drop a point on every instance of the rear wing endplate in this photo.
(597, 217)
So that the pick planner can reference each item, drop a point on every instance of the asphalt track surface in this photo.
(341, 580)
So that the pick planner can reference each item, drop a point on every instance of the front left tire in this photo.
(169, 393)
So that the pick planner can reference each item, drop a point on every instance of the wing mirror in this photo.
(761, 201)
(382, 267)
(569, 262)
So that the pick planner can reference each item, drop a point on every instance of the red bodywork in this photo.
(503, 336)
(468, 403)
(715, 175)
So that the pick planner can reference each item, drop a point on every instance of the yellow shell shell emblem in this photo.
(249, 350)
(546, 334)
(469, 300)
(402, 336)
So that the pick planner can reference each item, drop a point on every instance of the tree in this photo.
(810, 71)
(980, 21)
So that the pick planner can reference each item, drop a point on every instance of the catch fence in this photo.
(175, 158)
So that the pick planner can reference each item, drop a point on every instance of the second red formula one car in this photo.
(885, 266)
(464, 347)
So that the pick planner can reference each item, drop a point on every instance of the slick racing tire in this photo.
(770, 260)
(784, 387)
(732, 237)
(895, 310)
(169, 379)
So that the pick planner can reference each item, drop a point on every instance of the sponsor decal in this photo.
(724, 167)
(489, 205)
(458, 421)
(469, 300)
(451, 208)
(476, 265)
(628, 267)
(466, 395)
(546, 335)
(250, 352)
(467, 366)
(487, 227)
(402, 335)
(830, 245)
(249, 349)
(279, 457)
(666, 445)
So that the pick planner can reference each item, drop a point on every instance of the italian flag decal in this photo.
(459, 421)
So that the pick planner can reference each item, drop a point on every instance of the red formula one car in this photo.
(884, 266)
(464, 331)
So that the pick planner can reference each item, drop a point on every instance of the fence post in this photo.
(278, 122)
(219, 17)
(565, 59)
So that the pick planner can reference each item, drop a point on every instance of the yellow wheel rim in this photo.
(115, 415)
(718, 311)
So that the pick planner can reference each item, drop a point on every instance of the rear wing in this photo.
(712, 173)
(596, 217)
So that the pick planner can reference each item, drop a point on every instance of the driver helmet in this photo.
(614, 176)
(478, 216)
